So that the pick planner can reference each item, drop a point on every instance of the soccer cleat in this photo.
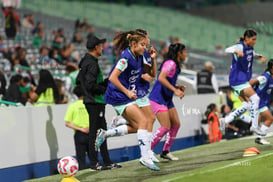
(168, 156)
(152, 156)
(114, 165)
(222, 125)
(100, 138)
(148, 163)
(154, 159)
(261, 141)
(113, 123)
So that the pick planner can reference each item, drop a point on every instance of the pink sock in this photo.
(158, 134)
(171, 135)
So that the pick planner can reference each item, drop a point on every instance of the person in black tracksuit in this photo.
(206, 81)
(90, 78)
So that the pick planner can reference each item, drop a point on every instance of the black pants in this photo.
(82, 145)
(96, 121)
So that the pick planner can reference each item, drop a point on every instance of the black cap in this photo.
(93, 41)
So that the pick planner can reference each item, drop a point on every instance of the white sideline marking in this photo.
(219, 168)
(255, 136)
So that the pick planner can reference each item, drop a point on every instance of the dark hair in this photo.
(248, 33)
(121, 41)
(210, 108)
(46, 81)
(142, 31)
(223, 108)
(78, 91)
(172, 53)
(15, 78)
(26, 79)
(70, 68)
(269, 66)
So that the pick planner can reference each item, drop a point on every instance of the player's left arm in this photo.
(259, 57)
(152, 69)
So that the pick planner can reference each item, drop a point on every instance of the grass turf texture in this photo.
(211, 162)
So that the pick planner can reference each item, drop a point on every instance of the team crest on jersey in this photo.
(122, 64)
(169, 67)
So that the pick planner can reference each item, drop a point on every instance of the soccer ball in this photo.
(68, 166)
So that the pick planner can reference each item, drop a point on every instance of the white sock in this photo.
(118, 131)
(236, 113)
(254, 110)
(149, 135)
(264, 129)
(245, 118)
(142, 136)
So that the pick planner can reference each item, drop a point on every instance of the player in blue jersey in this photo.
(122, 93)
(263, 85)
(161, 99)
(239, 76)
(142, 93)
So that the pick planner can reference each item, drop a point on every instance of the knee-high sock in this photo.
(245, 118)
(237, 112)
(171, 135)
(142, 136)
(264, 130)
(254, 110)
(149, 143)
(158, 134)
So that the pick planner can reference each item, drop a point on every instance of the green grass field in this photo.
(211, 162)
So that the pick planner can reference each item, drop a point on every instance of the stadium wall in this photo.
(34, 138)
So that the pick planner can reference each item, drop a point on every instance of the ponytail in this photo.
(269, 66)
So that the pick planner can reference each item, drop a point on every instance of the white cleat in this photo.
(153, 157)
(148, 163)
(262, 141)
(113, 123)
(169, 156)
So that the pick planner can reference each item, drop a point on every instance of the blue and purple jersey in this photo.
(264, 89)
(241, 68)
(160, 94)
(131, 69)
(143, 87)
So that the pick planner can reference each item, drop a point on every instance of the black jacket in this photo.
(204, 84)
(91, 80)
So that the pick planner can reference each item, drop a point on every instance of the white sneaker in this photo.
(262, 141)
(169, 156)
(148, 163)
(222, 125)
(152, 156)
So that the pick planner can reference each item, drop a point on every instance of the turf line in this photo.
(219, 168)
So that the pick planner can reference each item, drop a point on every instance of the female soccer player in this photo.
(240, 73)
(161, 98)
(122, 93)
(264, 86)
(142, 90)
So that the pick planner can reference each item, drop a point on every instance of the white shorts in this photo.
(238, 88)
